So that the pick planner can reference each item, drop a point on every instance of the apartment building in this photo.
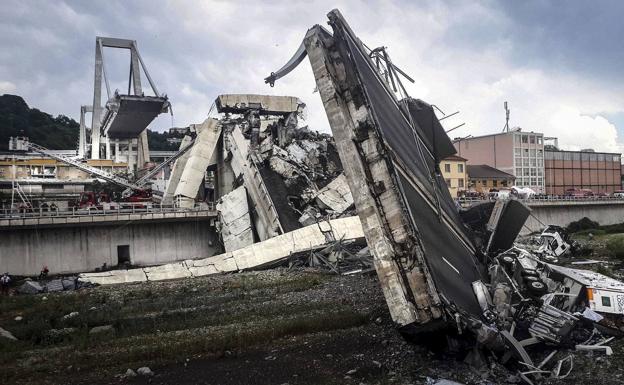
(454, 172)
(518, 153)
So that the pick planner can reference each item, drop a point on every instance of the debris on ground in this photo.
(447, 275)
(145, 371)
(30, 287)
(7, 334)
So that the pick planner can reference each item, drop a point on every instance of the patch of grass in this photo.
(615, 246)
(591, 231)
(113, 356)
(613, 229)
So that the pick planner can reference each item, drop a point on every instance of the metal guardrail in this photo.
(550, 199)
(124, 208)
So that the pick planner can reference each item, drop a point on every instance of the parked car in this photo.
(579, 192)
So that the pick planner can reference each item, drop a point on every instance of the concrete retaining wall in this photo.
(84, 248)
(563, 213)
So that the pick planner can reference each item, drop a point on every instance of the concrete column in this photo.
(116, 150)
(108, 148)
(97, 106)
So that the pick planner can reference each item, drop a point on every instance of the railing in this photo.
(549, 198)
(119, 208)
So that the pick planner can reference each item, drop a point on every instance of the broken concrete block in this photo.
(145, 371)
(7, 335)
(105, 329)
(69, 284)
(336, 196)
(30, 287)
(297, 153)
(236, 229)
(54, 285)
(309, 216)
(282, 167)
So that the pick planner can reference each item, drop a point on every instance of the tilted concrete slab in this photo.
(176, 172)
(129, 115)
(169, 271)
(115, 276)
(258, 255)
(199, 159)
(266, 219)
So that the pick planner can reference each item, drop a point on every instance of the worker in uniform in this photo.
(5, 282)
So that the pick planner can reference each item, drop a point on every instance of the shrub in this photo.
(591, 231)
(582, 224)
(615, 246)
(614, 229)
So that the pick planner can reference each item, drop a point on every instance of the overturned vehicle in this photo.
(446, 275)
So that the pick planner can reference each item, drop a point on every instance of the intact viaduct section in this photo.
(561, 213)
(79, 247)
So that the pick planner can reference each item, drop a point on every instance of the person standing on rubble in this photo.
(44, 273)
(5, 282)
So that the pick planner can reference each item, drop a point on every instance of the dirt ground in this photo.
(273, 327)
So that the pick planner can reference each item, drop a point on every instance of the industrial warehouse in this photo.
(260, 250)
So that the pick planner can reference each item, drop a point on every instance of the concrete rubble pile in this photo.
(292, 175)
(449, 276)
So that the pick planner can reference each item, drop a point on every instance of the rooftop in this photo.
(455, 158)
(511, 131)
(483, 171)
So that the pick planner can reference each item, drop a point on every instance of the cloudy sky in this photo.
(559, 64)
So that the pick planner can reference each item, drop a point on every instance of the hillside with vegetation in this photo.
(56, 133)
(18, 119)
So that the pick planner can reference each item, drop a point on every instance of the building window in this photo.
(606, 301)
(504, 183)
(495, 183)
(460, 168)
(484, 182)
(532, 139)
(539, 140)
(448, 182)
(460, 183)
(525, 139)
(447, 167)
(517, 138)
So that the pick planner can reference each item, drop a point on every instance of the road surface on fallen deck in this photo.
(271, 327)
